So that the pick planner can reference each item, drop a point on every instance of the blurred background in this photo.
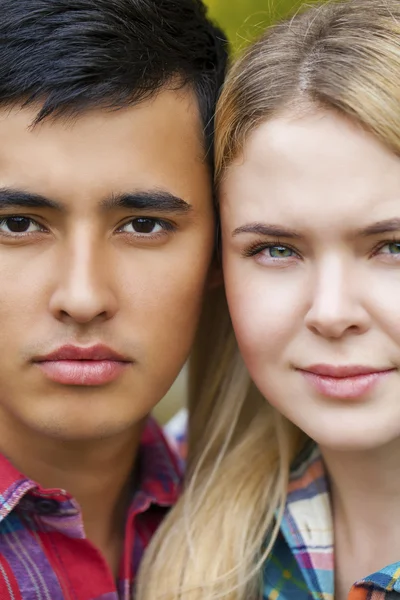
(243, 21)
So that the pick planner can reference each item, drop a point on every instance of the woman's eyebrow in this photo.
(267, 229)
(381, 227)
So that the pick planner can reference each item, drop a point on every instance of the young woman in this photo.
(293, 491)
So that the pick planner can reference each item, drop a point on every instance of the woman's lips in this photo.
(349, 382)
(74, 365)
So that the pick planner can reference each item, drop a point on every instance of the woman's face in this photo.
(311, 250)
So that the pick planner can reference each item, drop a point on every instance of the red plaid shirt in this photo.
(44, 554)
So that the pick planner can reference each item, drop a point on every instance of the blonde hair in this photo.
(342, 56)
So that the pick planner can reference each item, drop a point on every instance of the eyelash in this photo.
(167, 226)
(258, 247)
(4, 218)
(381, 245)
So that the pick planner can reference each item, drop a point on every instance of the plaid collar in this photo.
(47, 525)
(307, 523)
(158, 475)
(307, 557)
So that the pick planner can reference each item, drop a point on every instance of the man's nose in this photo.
(84, 291)
(335, 307)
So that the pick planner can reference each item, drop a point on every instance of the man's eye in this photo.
(145, 226)
(16, 224)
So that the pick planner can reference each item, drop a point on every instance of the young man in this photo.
(106, 238)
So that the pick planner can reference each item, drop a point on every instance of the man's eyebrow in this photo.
(10, 198)
(158, 201)
(385, 226)
(267, 230)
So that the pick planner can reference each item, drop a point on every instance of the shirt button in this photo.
(46, 506)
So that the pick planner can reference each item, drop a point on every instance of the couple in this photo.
(109, 267)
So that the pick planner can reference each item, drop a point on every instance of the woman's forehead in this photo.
(318, 164)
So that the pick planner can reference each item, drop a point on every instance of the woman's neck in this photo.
(365, 491)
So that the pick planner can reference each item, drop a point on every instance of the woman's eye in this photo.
(265, 253)
(144, 226)
(279, 252)
(392, 248)
(15, 225)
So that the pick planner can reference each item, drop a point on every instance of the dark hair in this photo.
(71, 55)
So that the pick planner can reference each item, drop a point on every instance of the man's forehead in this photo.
(172, 117)
(154, 147)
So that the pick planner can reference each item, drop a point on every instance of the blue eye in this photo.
(280, 252)
(265, 251)
(392, 248)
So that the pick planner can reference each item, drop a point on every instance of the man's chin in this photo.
(84, 421)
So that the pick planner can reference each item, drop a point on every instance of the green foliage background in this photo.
(245, 19)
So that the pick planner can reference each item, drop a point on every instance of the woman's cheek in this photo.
(260, 319)
(267, 307)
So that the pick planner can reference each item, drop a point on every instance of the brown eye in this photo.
(144, 225)
(17, 224)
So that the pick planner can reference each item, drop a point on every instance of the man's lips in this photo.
(344, 382)
(70, 352)
(77, 365)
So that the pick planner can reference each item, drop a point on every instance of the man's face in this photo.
(106, 236)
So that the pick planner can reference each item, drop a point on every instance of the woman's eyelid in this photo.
(386, 245)
(257, 247)
(383, 244)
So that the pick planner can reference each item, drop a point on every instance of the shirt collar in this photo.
(307, 521)
(307, 527)
(13, 486)
(158, 474)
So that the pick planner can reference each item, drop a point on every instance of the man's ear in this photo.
(215, 277)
